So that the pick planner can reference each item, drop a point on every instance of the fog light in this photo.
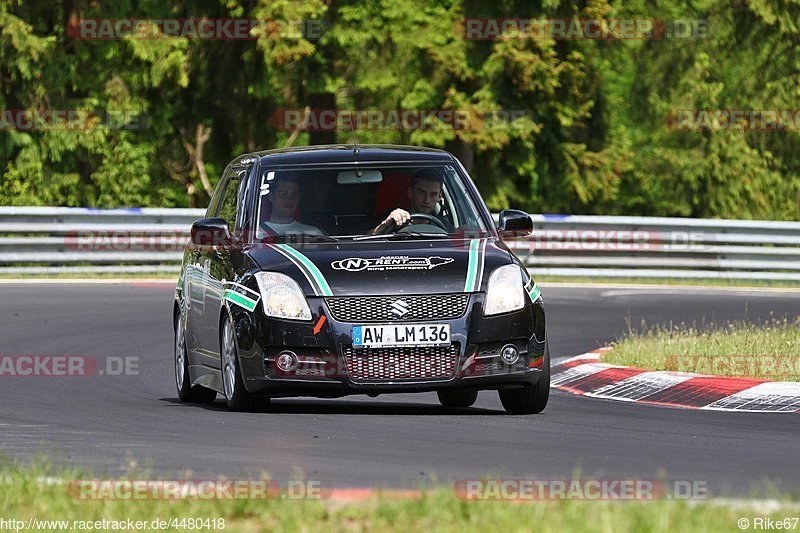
(509, 354)
(286, 361)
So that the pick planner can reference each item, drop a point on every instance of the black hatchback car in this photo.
(336, 270)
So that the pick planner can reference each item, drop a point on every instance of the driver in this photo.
(425, 193)
(285, 196)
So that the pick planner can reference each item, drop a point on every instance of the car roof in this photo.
(344, 153)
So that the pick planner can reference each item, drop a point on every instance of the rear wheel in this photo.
(236, 396)
(530, 399)
(457, 398)
(183, 382)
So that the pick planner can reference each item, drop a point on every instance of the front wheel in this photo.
(236, 396)
(457, 398)
(183, 382)
(530, 399)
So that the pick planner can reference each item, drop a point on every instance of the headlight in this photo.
(282, 297)
(506, 292)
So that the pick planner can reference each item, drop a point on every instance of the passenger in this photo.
(285, 197)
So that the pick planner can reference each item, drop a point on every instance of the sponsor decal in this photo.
(390, 262)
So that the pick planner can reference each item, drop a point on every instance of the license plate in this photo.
(396, 335)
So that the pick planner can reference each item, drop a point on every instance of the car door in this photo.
(194, 283)
(217, 264)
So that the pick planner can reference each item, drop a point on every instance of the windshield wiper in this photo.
(299, 239)
(401, 235)
(317, 238)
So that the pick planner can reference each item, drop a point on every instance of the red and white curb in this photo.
(587, 376)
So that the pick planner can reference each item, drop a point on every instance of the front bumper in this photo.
(328, 366)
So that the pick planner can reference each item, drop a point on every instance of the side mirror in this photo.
(211, 232)
(515, 223)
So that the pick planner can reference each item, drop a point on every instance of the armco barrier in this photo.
(41, 240)
(61, 239)
(623, 246)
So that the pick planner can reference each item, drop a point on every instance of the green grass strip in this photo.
(739, 349)
(38, 492)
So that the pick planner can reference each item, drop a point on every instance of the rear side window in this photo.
(229, 206)
(213, 205)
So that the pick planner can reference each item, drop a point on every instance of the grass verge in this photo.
(35, 493)
(740, 349)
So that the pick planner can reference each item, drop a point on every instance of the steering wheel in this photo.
(430, 218)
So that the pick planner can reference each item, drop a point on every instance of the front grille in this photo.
(382, 308)
(401, 364)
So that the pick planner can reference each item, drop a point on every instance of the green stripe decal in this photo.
(472, 266)
(324, 288)
(240, 300)
(535, 293)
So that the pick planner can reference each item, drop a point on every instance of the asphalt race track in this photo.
(105, 423)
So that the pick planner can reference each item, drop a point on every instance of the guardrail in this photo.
(44, 240)
(625, 246)
(59, 239)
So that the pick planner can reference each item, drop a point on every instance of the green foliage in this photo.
(585, 124)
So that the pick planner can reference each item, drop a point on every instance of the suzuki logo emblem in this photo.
(399, 308)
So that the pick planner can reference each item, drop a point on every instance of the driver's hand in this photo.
(399, 216)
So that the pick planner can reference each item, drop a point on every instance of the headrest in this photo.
(393, 193)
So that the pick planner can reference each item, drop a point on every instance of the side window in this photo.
(449, 207)
(213, 205)
(245, 209)
(229, 206)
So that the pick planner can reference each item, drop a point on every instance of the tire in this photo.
(531, 399)
(457, 398)
(187, 393)
(236, 396)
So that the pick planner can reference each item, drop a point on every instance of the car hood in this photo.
(385, 268)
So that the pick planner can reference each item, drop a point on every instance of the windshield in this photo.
(347, 203)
